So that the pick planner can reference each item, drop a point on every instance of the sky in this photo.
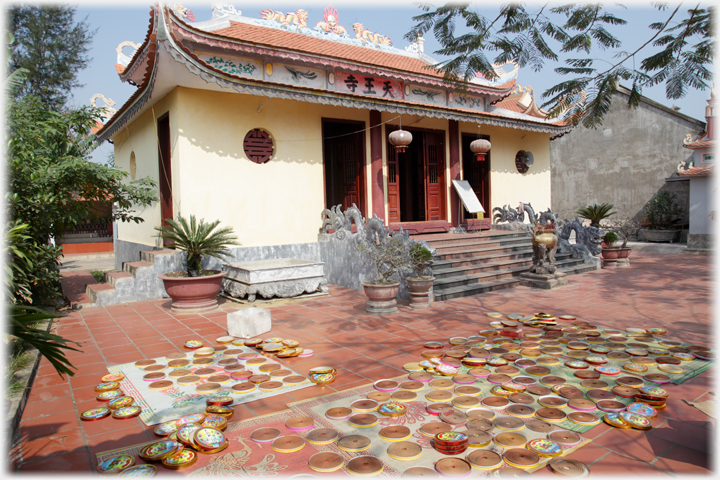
(116, 23)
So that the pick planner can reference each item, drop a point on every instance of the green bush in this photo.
(420, 257)
(610, 238)
(662, 210)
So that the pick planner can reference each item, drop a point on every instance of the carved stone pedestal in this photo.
(546, 281)
(420, 300)
(615, 262)
(283, 277)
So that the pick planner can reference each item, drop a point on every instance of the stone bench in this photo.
(281, 277)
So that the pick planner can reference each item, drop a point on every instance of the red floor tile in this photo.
(614, 464)
(689, 434)
(54, 423)
(56, 443)
(681, 460)
(42, 394)
(634, 443)
(75, 461)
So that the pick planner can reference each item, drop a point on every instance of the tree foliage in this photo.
(51, 47)
(52, 182)
(530, 36)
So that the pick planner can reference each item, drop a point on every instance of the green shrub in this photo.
(662, 209)
(610, 238)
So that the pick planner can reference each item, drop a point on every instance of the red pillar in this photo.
(376, 171)
(454, 132)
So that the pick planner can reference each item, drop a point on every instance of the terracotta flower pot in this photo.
(193, 294)
(624, 252)
(381, 298)
(610, 253)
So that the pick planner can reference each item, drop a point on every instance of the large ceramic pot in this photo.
(610, 253)
(420, 291)
(193, 294)
(659, 235)
(381, 298)
(624, 252)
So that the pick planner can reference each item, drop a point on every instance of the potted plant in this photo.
(625, 228)
(420, 258)
(195, 290)
(662, 210)
(596, 213)
(609, 251)
(388, 254)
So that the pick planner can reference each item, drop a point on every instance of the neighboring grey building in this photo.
(699, 172)
(625, 161)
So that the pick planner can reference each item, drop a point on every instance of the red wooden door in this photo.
(351, 174)
(393, 185)
(434, 176)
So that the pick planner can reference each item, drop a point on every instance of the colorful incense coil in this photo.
(143, 470)
(392, 409)
(182, 459)
(116, 464)
(124, 413)
(94, 414)
(157, 451)
(109, 395)
(545, 447)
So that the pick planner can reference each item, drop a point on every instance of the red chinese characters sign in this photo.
(370, 86)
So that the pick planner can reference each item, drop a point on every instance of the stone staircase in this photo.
(137, 280)
(469, 264)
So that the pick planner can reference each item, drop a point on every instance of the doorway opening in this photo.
(477, 173)
(165, 171)
(343, 163)
(416, 178)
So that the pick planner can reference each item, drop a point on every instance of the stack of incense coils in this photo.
(322, 375)
(451, 443)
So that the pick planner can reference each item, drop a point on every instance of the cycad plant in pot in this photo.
(388, 254)
(596, 213)
(421, 259)
(195, 290)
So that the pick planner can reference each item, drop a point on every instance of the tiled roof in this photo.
(697, 172)
(511, 103)
(275, 38)
(700, 144)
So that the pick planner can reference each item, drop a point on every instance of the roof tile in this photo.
(697, 172)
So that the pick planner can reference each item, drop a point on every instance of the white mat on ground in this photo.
(178, 400)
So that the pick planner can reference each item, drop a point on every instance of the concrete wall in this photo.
(624, 162)
(507, 185)
(702, 211)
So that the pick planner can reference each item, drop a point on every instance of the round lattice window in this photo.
(258, 146)
(520, 164)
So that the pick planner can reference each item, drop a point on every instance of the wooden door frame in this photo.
(486, 222)
(425, 226)
(362, 160)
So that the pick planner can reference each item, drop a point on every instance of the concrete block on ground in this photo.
(249, 322)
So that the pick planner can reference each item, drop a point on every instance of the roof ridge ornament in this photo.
(182, 12)
(224, 9)
(108, 111)
(123, 59)
(298, 19)
(331, 25)
(364, 35)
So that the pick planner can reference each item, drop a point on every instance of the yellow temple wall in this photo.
(507, 185)
(140, 139)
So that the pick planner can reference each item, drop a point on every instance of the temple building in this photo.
(263, 122)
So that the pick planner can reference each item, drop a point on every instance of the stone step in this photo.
(471, 265)
(484, 245)
(471, 238)
(475, 289)
(111, 278)
(132, 267)
(442, 265)
(478, 252)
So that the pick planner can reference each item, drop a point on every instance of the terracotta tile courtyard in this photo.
(658, 290)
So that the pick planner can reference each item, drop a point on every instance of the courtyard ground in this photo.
(673, 291)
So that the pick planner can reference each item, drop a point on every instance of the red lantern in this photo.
(400, 139)
(480, 148)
